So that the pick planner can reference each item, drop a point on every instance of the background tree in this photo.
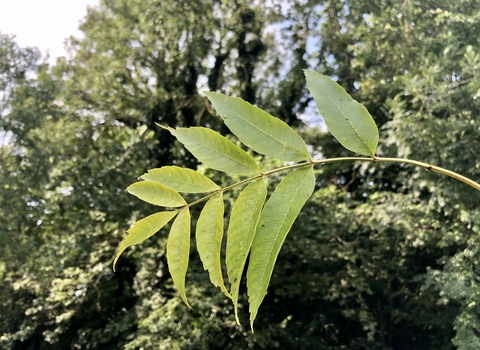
(397, 59)
(77, 129)
(382, 257)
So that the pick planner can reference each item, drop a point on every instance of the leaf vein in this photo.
(347, 118)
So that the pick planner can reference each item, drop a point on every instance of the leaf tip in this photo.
(225, 291)
(163, 126)
(237, 319)
(184, 298)
(308, 72)
(209, 93)
(115, 259)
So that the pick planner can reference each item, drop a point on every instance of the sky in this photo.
(47, 23)
(43, 23)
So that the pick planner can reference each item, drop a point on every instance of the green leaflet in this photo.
(240, 234)
(209, 236)
(347, 120)
(155, 193)
(216, 151)
(178, 251)
(181, 179)
(259, 130)
(143, 229)
(276, 219)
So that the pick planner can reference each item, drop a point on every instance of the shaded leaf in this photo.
(347, 120)
(215, 151)
(209, 236)
(178, 251)
(143, 229)
(181, 179)
(276, 219)
(259, 130)
(241, 231)
(155, 193)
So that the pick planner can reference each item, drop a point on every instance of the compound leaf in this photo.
(209, 236)
(276, 219)
(178, 251)
(155, 193)
(259, 130)
(347, 120)
(240, 234)
(216, 151)
(181, 179)
(143, 229)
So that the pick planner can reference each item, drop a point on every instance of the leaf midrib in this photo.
(348, 119)
(265, 133)
(180, 182)
(165, 194)
(277, 235)
(225, 155)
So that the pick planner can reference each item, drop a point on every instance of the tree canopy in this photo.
(381, 257)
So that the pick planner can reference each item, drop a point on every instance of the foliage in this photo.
(347, 276)
(268, 224)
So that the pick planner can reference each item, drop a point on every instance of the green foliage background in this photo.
(381, 257)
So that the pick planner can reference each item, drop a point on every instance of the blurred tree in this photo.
(382, 257)
(57, 229)
(413, 65)
(77, 137)
(15, 65)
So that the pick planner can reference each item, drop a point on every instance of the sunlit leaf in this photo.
(276, 219)
(347, 120)
(178, 251)
(181, 179)
(240, 234)
(155, 193)
(216, 151)
(143, 229)
(209, 236)
(259, 130)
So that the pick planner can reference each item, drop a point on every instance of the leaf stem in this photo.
(426, 166)
(210, 195)
(343, 159)
(433, 168)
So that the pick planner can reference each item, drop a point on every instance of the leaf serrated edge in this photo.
(304, 156)
(233, 249)
(310, 75)
(260, 293)
(253, 169)
(153, 175)
(180, 231)
(214, 267)
(136, 226)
